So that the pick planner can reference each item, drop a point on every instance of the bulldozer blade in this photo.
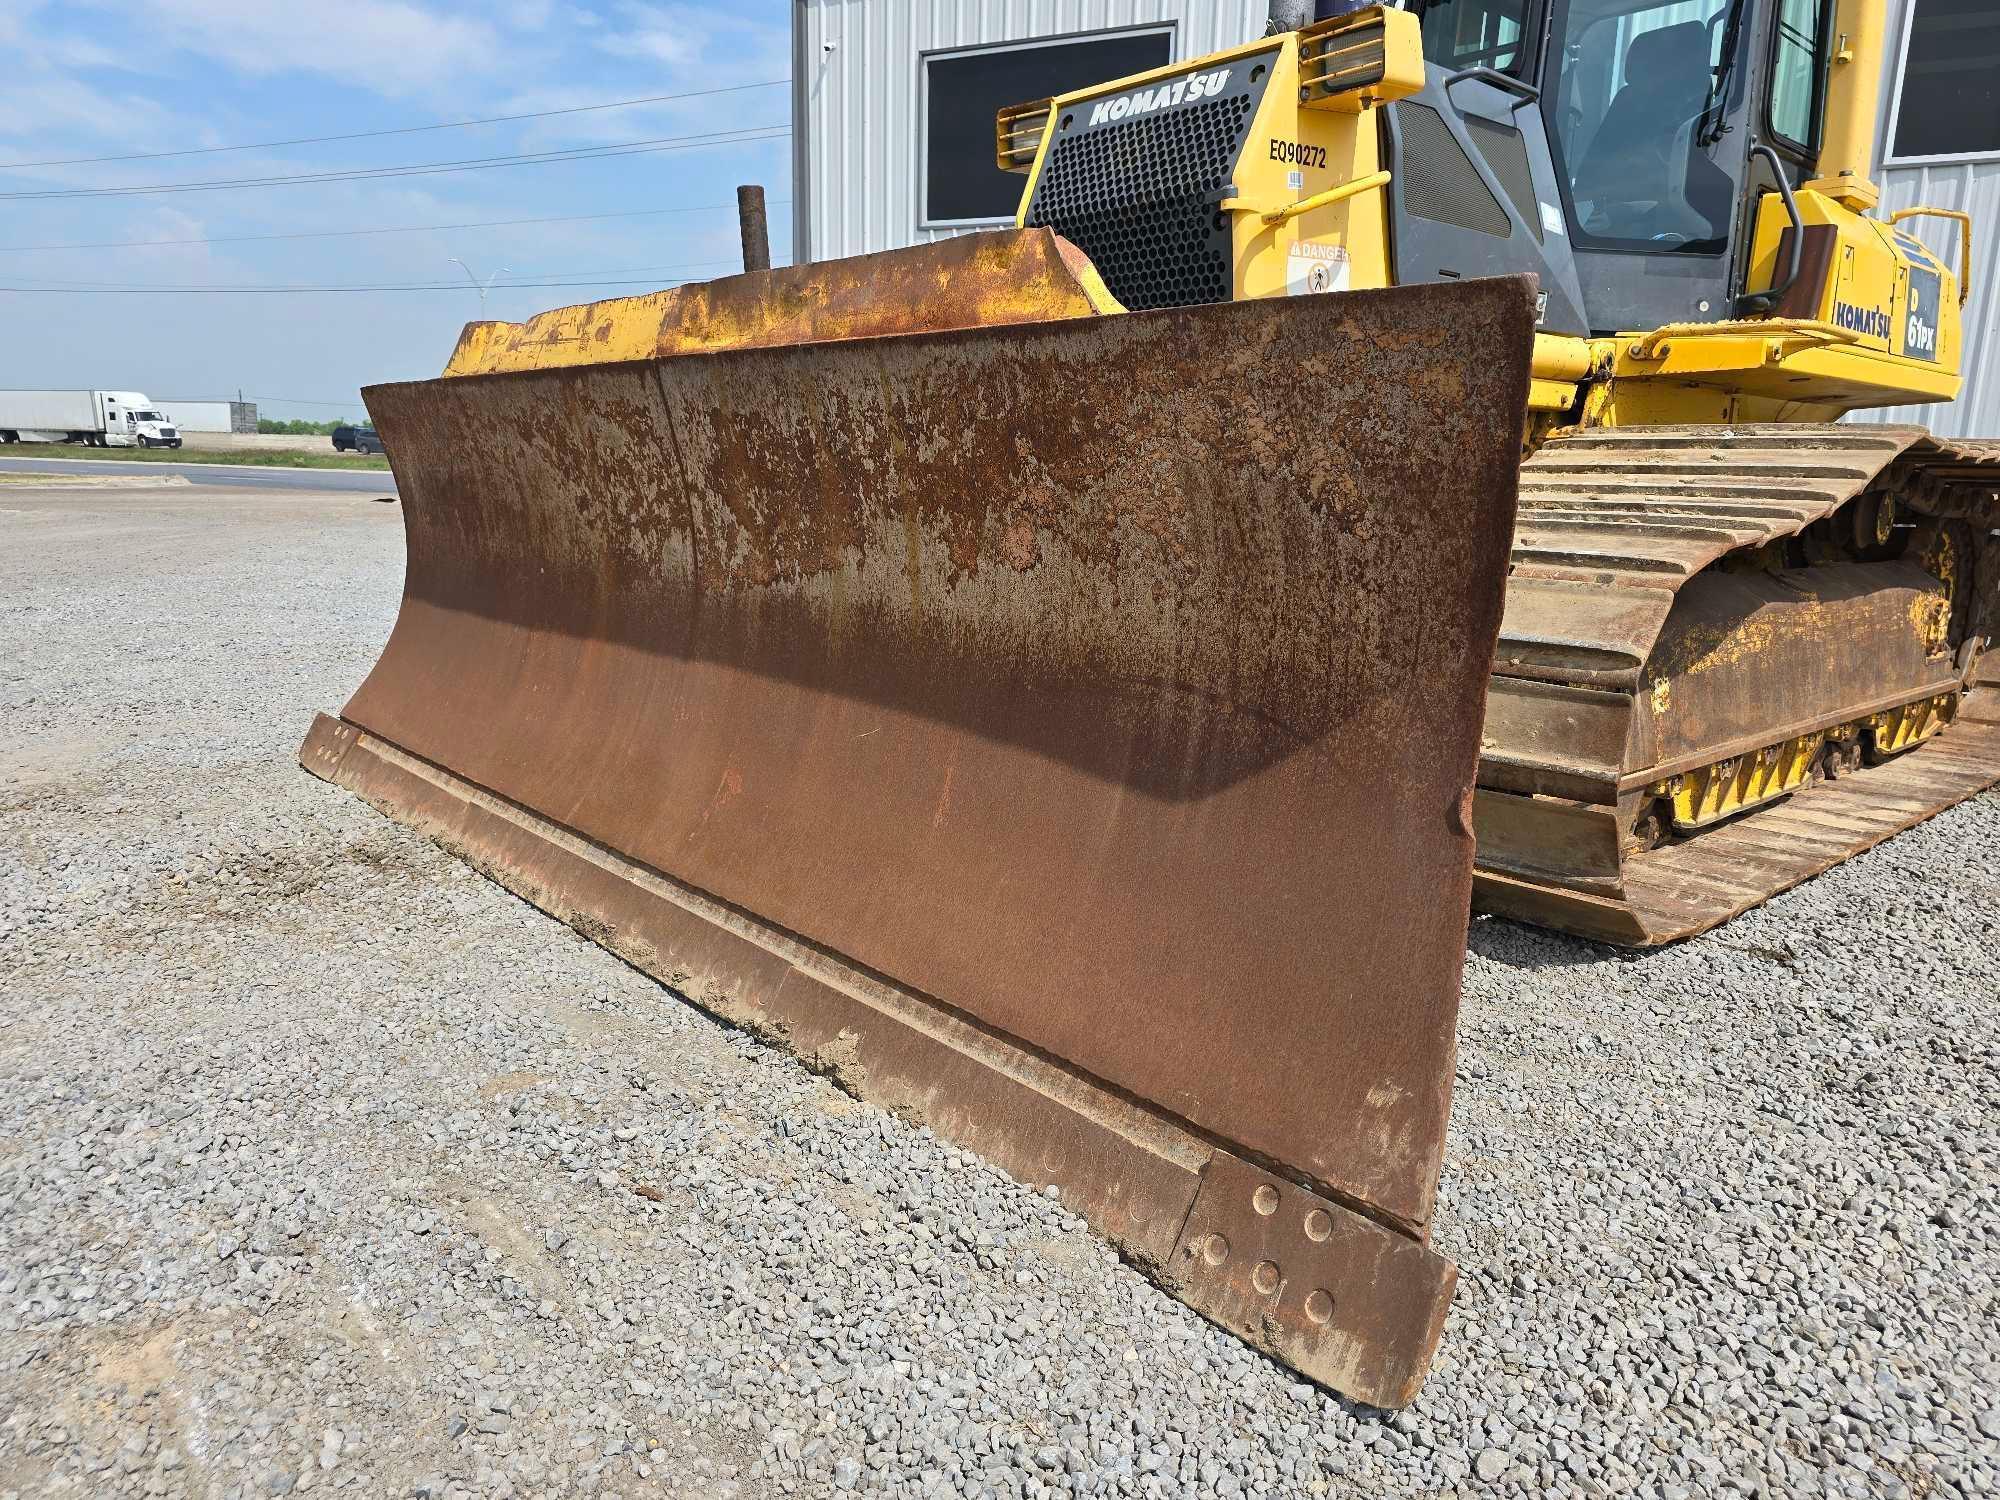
(968, 281)
(1062, 735)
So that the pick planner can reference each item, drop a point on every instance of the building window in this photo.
(1796, 71)
(1946, 103)
(964, 90)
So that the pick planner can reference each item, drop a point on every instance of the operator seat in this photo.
(1667, 79)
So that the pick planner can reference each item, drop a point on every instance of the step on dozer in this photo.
(1059, 727)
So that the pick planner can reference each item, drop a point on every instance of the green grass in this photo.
(257, 458)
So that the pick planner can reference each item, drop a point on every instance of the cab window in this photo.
(1471, 33)
(1639, 117)
(1796, 71)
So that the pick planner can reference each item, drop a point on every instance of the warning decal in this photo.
(1315, 268)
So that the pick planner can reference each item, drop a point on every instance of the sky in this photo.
(85, 79)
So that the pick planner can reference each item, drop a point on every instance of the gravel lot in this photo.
(326, 1165)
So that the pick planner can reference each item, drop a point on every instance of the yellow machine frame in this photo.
(1309, 214)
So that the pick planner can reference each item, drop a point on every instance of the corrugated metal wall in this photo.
(1975, 187)
(855, 94)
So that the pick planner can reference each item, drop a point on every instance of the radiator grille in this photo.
(1439, 180)
(1139, 198)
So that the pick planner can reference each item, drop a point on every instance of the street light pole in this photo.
(482, 286)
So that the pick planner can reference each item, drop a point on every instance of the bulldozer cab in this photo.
(1623, 152)
(1617, 148)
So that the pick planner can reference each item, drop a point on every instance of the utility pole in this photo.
(756, 232)
(482, 286)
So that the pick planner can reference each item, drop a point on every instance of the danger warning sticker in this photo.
(1315, 268)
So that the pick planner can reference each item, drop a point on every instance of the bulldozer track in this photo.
(1612, 522)
(1689, 887)
(1612, 526)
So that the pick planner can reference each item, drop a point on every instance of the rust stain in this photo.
(944, 795)
(1018, 548)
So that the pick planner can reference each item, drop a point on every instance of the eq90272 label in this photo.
(1298, 154)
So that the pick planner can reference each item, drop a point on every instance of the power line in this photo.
(283, 401)
(746, 135)
(363, 135)
(348, 405)
(331, 234)
(267, 400)
(518, 278)
(457, 287)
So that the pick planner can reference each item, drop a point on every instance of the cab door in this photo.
(1473, 190)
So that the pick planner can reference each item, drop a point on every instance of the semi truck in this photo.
(98, 419)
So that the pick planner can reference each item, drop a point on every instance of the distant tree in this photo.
(297, 427)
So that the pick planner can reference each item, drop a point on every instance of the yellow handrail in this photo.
(1276, 216)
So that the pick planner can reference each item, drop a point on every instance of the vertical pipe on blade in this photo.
(756, 232)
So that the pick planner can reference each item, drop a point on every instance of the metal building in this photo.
(894, 100)
(1940, 148)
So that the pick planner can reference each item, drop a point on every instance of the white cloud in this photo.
(679, 37)
(43, 105)
(60, 97)
(55, 49)
(13, 20)
(390, 46)
(528, 15)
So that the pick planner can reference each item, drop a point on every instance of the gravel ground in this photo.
(327, 1165)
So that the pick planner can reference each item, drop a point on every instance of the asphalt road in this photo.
(254, 476)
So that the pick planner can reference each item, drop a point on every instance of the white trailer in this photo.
(209, 416)
(100, 419)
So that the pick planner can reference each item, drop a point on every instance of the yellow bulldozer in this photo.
(1068, 683)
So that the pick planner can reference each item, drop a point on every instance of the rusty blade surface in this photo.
(1115, 682)
(1112, 686)
(1342, 1298)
